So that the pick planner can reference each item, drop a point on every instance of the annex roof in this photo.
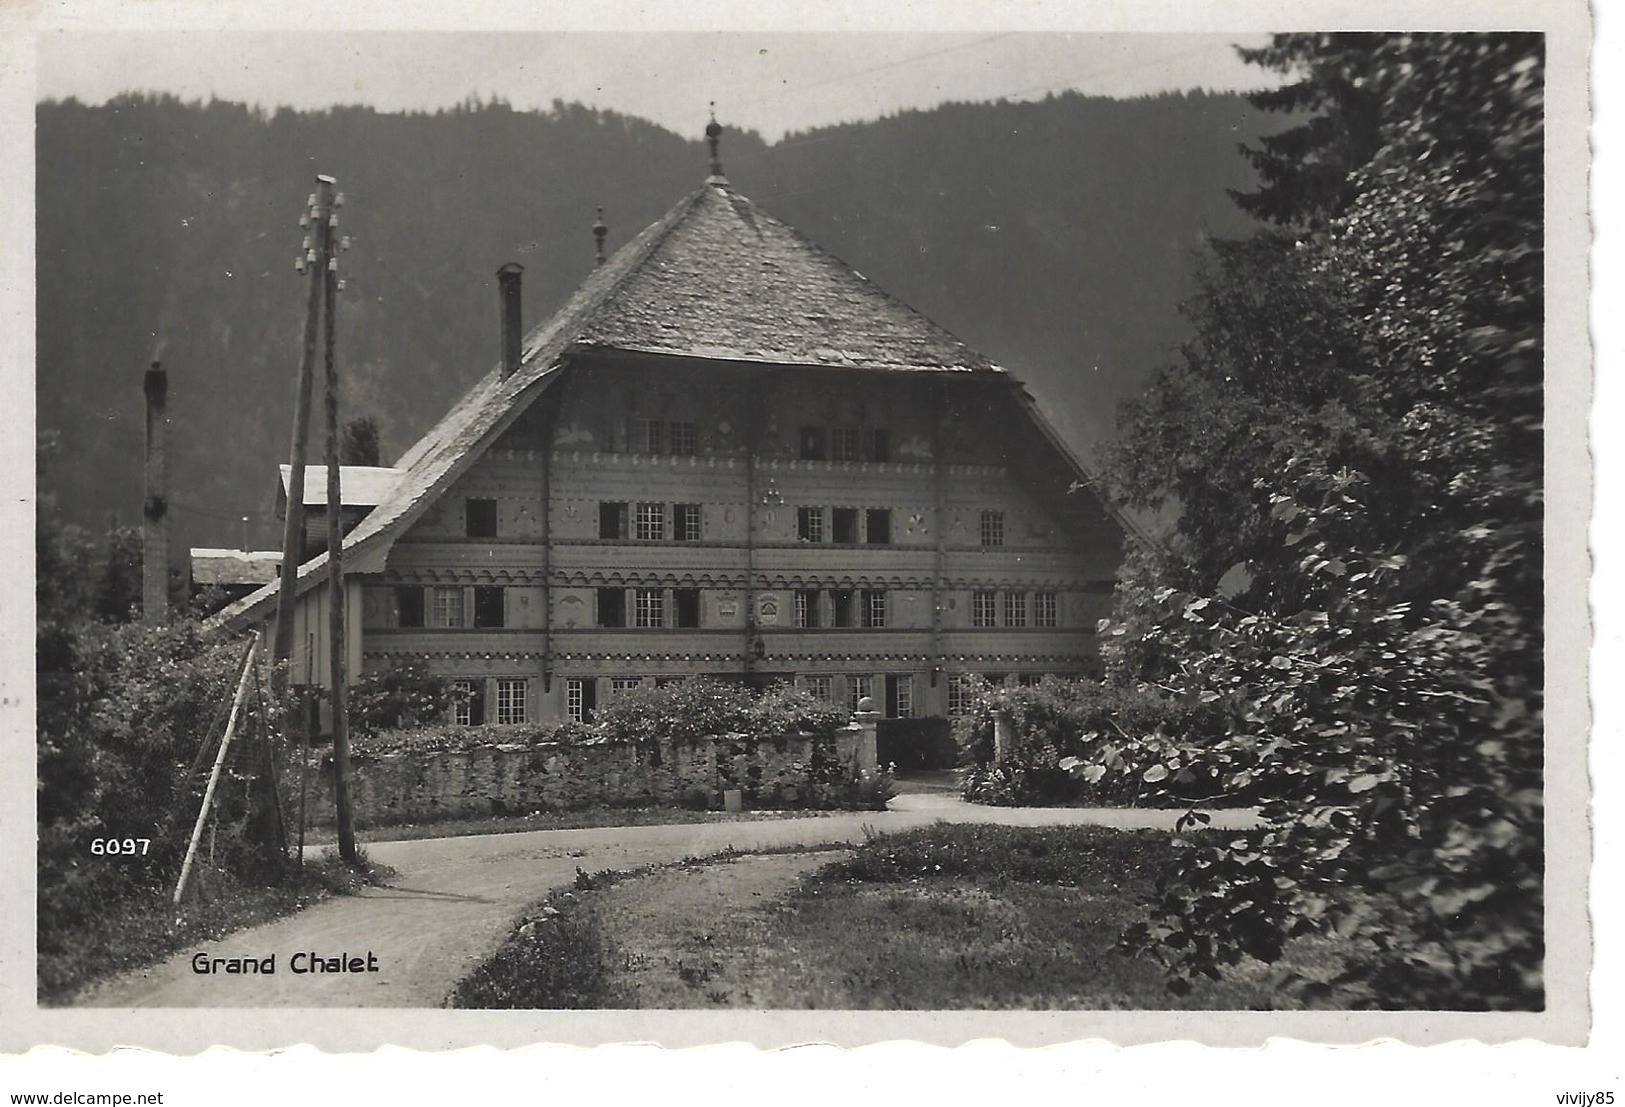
(214, 566)
(359, 485)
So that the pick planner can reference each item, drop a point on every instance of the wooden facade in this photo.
(883, 520)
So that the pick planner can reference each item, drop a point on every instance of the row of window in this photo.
(845, 443)
(986, 608)
(652, 522)
(581, 694)
(844, 525)
(648, 608)
(512, 695)
(680, 437)
(839, 607)
(447, 605)
(647, 522)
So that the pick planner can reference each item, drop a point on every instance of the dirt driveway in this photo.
(453, 900)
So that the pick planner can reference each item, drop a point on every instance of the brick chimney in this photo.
(155, 511)
(512, 327)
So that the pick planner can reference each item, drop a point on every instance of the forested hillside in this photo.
(1056, 236)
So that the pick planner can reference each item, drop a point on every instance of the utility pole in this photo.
(265, 823)
(337, 650)
(312, 259)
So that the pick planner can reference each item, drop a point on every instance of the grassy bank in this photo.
(584, 818)
(941, 917)
(146, 927)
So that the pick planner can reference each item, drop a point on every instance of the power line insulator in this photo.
(299, 264)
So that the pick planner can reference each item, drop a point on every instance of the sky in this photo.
(773, 83)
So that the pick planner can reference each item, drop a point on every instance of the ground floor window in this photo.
(857, 687)
(822, 687)
(469, 710)
(511, 696)
(961, 688)
(900, 696)
(618, 686)
(580, 699)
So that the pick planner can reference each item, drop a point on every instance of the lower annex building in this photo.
(728, 454)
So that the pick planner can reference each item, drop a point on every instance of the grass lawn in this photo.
(938, 918)
(551, 820)
(146, 927)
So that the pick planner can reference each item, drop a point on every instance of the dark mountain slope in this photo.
(1054, 236)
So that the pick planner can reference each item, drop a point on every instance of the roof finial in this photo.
(713, 132)
(598, 233)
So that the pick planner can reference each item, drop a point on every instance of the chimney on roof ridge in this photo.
(598, 233)
(713, 132)
(512, 330)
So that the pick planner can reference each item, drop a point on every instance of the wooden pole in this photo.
(315, 258)
(338, 651)
(304, 742)
(219, 764)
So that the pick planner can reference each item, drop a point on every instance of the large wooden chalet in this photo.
(728, 454)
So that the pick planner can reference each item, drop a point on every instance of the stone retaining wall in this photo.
(408, 787)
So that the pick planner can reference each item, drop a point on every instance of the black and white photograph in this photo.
(891, 528)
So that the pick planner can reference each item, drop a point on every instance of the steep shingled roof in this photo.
(727, 280)
(714, 277)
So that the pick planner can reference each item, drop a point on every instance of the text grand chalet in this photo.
(728, 454)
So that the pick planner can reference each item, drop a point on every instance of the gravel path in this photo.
(453, 900)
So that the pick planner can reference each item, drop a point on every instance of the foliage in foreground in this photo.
(147, 927)
(126, 738)
(1358, 427)
(1059, 724)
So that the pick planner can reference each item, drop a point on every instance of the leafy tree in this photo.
(1358, 425)
(118, 594)
(360, 444)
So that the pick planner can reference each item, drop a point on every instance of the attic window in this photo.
(876, 444)
(649, 436)
(843, 443)
(685, 435)
(812, 444)
(481, 518)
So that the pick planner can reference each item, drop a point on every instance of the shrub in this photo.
(125, 747)
(701, 707)
(452, 738)
(402, 696)
(1069, 735)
